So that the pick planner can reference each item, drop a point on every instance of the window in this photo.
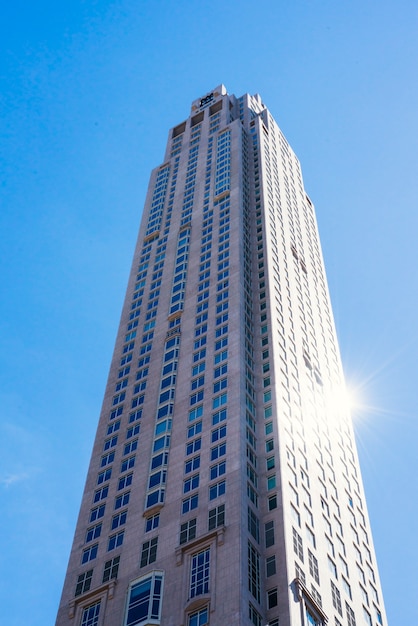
(127, 464)
(216, 517)
(199, 573)
(192, 464)
(269, 534)
(144, 600)
(219, 416)
(90, 615)
(190, 503)
(152, 522)
(346, 586)
(191, 483)
(149, 552)
(272, 598)
(254, 615)
(217, 490)
(311, 619)
(351, 618)
(119, 520)
(200, 618)
(122, 500)
(93, 532)
(217, 470)
(195, 413)
(104, 476)
(83, 582)
(125, 481)
(115, 540)
(130, 447)
(218, 451)
(133, 430)
(218, 433)
(97, 512)
(253, 571)
(194, 429)
(111, 569)
(332, 567)
(253, 524)
(89, 553)
(188, 531)
(271, 482)
(313, 566)
(297, 544)
(272, 502)
(107, 459)
(101, 494)
(193, 446)
(271, 565)
(336, 598)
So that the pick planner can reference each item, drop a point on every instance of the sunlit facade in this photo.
(224, 486)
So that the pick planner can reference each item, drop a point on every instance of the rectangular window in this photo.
(253, 571)
(83, 582)
(351, 618)
(119, 520)
(115, 540)
(111, 569)
(189, 504)
(107, 459)
(269, 534)
(272, 598)
(104, 476)
(218, 451)
(336, 598)
(97, 512)
(149, 552)
(122, 500)
(219, 416)
(199, 618)
(253, 524)
(195, 429)
(191, 483)
(199, 573)
(272, 502)
(89, 553)
(93, 532)
(144, 600)
(297, 544)
(101, 494)
(217, 470)
(127, 464)
(152, 522)
(218, 433)
(192, 464)
(313, 566)
(188, 531)
(217, 490)
(216, 517)
(90, 616)
(271, 565)
(125, 481)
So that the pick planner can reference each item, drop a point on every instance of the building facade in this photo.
(224, 486)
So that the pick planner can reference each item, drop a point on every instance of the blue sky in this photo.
(88, 93)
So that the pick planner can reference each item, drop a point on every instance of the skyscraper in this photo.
(224, 486)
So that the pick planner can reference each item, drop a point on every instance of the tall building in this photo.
(224, 486)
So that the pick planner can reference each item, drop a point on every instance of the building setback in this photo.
(224, 486)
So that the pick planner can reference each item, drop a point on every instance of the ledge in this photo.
(107, 588)
(217, 533)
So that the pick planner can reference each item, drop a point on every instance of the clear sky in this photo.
(88, 91)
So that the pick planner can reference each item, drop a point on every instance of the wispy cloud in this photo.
(10, 479)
